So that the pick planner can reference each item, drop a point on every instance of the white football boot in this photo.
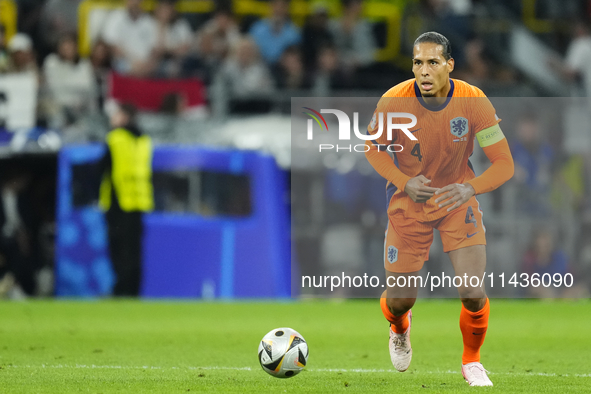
(475, 374)
(400, 350)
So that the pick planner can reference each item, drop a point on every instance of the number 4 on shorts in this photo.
(470, 218)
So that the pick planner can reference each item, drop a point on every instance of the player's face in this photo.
(431, 70)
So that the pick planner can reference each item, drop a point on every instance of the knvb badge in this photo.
(458, 127)
(345, 129)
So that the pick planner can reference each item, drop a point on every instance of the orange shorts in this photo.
(407, 243)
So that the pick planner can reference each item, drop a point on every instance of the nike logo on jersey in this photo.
(477, 333)
(471, 235)
(413, 131)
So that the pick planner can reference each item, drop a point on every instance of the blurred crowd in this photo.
(257, 56)
(551, 184)
(252, 57)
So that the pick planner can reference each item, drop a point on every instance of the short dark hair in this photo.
(436, 38)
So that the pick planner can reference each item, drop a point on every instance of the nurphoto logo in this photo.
(345, 129)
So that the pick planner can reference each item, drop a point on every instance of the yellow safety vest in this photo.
(131, 172)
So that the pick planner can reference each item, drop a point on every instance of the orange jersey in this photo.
(445, 140)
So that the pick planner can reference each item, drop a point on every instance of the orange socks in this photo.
(473, 326)
(399, 323)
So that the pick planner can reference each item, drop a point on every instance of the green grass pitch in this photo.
(179, 347)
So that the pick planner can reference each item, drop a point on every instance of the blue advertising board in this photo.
(184, 255)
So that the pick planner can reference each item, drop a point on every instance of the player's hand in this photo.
(455, 194)
(417, 189)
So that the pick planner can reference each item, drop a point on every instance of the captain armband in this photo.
(490, 136)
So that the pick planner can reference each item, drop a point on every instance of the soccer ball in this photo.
(283, 353)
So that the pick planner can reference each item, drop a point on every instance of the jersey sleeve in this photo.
(500, 171)
(490, 136)
(383, 164)
(483, 113)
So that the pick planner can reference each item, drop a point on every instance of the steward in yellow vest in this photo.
(126, 192)
(130, 178)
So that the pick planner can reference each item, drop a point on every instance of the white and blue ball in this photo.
(283, 353)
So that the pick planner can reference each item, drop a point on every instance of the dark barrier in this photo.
(232, 253)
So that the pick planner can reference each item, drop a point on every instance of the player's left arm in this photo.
(495, 146)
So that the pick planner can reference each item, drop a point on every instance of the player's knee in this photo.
(399, 306)
(474, 304)
(471, 292)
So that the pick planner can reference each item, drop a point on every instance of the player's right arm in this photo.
(417, 188)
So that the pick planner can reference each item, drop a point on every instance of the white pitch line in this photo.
(353, 370)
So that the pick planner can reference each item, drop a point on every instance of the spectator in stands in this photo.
(453, 17)
(289, 72)
(533, 158)
(576, 69)
(4, 57)
(132, 35)
(22, 56)
(25, 74)
(577, 65)
(247, 76)
(218, 36)
(354, 38)
(70, 81)
(476, 69)
(275, 34)
(101, 59)
(316, 35)
(247, 80)
(58, 18)
(213, 43)
(328, 74)
(173, 39)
